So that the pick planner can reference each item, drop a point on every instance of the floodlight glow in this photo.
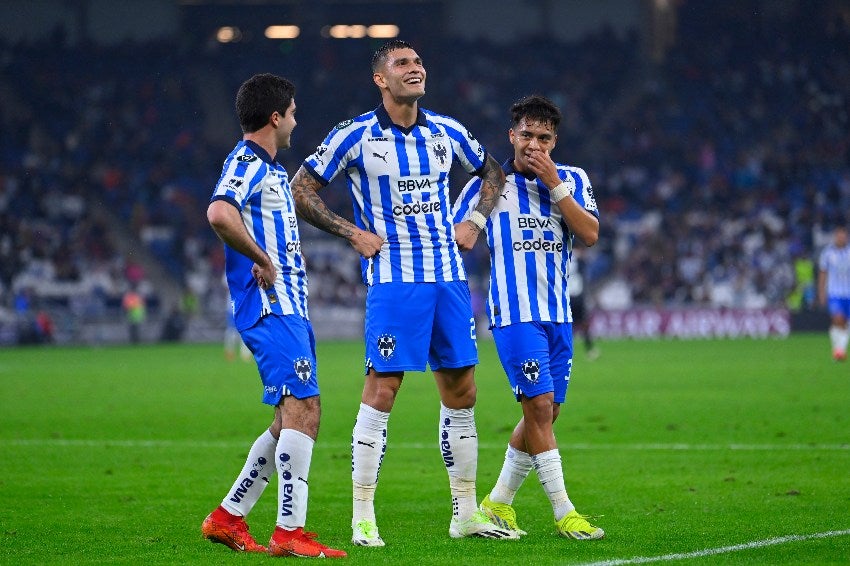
(383, 30)
(228, 34)
(283, 32)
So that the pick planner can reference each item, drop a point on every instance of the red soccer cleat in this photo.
(231, 531)
(839, 356)
(300, 543)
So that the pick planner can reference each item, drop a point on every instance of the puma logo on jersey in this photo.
(379, 156)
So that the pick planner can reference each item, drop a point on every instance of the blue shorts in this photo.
(839, 306)
(408, 324)
(537, 357)
(285, 350)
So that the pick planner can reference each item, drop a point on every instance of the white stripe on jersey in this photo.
(259, 187)
(530, 247)
(836, 262)
(398, 182)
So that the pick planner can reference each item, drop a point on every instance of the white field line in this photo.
(719, 550)
(162, 443)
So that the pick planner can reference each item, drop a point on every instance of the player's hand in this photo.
(541, 164)
(367, 244)
(466, 234)
(264, 275)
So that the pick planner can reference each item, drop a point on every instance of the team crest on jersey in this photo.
(386, 345)
(303, 369)
(531, 370)
(344, 124)
(440, 152)
(246, 158)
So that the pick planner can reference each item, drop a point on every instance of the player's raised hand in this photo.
(542, 165)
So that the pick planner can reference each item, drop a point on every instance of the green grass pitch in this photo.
(694, 452)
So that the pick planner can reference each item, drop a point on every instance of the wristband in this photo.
(562, 191)
(478, 219)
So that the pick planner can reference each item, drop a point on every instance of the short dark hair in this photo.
(538, 108)
(380, 56)
(261, 96)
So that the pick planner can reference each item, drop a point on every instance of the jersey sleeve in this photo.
(339, 147)
(241, 177)
(466, 148)
(466, 201)
(584, 190)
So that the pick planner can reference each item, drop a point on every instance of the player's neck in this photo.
(265, 140)
(402, 112)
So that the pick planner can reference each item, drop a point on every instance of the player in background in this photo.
(396, 160)
(530, 233)
(253, 213)
(834, 289)
(578, 305)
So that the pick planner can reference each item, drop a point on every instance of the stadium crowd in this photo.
(714, 170)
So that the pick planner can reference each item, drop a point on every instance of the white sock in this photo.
(368, 445)
(843, 336)
(459, 447)
(515, 469)
(834, 332)
(293, 455)
(551, 475)
(254, 477)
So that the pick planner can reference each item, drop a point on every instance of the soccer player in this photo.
(253, 213)
(578, 306)
(530, 233)
(834, 289)
(396, 161)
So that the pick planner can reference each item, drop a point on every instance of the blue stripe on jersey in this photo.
(415, 249)
(545, 199)
(510, 268)
(401, 155)
(392, 232)
(531, 281)
(447, 232)
(422, 152)
(494, 310)
(286, 269)
(551, 292)
(436, 237)
(522, 193)
(257, 219)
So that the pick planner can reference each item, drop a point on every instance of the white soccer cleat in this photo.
(480, 525)
(365, 533)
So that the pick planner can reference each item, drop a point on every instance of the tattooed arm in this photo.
(310, 206)
(466, 233)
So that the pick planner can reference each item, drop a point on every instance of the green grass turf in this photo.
(115, 455)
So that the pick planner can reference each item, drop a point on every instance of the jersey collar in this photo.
(508, 168)
(259, 151)
(385, 121)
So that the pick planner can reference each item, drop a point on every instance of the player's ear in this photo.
(379, 80)
(511, 136)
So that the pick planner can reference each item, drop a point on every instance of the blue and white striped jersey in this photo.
(398, 182)
(836, 262)
(258, 186)
(530, 247)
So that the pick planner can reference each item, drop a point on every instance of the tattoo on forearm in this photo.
(310, 206)
(491, 188)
